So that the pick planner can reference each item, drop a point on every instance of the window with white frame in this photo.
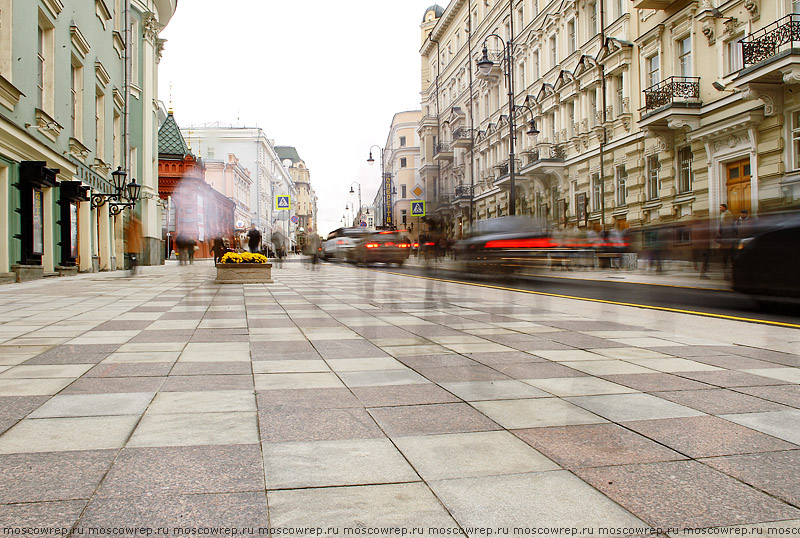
(796, 7)
(403, 162)
(685, 174)
(135, 52)
(596, 192)
(653, 170)
(622, 185)
(76, 91)
(551, 124)
(403, 191)
(685, 56)
(571, 37)
(5, 39)
(536, 65)
(733, 55)
(591, 9)
(571, 115)
(653, 70)
(100, 122)
(402, 141)
(593, 107)
(553, 52)
(620, 89)
(520, 18)
(796, 140)
(534, 8)
(619, 8)
(117, 140)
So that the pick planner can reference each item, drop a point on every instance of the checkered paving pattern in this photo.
(348, 398)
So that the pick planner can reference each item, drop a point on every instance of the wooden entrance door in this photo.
(738, 185)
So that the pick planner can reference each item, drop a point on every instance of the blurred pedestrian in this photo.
(726, 236)
(191, 248)
(254, 239)
(743, 225)
(218, 248)
(133, 242)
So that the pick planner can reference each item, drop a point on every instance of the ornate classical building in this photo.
(645, 111)
(69, 116)
(305, 202)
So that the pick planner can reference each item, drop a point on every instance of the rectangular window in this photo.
(551, 123)
(653, 169)
(796, 140)
(403, 162)
(596, 196)
(403, 191)
(685, 57)
(40, 70)
(117, 142)
(553, 52)
(619, 84)
(535, 8)
(591, 7)
(402, 141)
(796, 7)
(77, 101)
(619, 6)
(653, 70)
(733, 52)
(573, 130)
(571, 38)
(622, 185)
(536, 65)
(100, 118)
(403, 216)
(135, 52)
(685, 175)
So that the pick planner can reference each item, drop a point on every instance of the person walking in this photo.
(254, 239)
(726, 236)
(133, 242)
(218, 248)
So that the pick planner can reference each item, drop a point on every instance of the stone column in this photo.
(104, 237)
(85, 236)
(47, 229)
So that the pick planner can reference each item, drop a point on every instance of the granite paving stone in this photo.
(595, 445)
(88, 405)
(474, 372)
(653, 382)
(622, 407)
(460, 455)
(780, 424)
(186, 470)
(203, 402)
(707, 497)
(52, 476)
(55, 515)
(185, 429)
(732, 378)
(504, 389)
(286, 425)
(431, 419)
(547, 498)
(335, 463)
(719, 401)
(399, 395)
(700, 437)
(784, 394)
(578, 386)
(188, 383)
(772, 472)
(105, 385)
(301, 398)
(407, 505)
(534, 413)
(381, 378)
(67, 434)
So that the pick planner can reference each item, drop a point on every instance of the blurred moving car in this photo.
(387, 246)
(341, 242)
(765, 264)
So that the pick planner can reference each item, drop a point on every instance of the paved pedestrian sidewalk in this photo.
(344, 401)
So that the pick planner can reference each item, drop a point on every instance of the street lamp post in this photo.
(387, 194)
(485, 66)
(359, 194)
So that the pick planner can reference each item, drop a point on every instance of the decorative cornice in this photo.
(119, 99)
(791, 75)
(689, 123)
(150, 26)
(79, 42)
(103, 13)
(47, 125)
(54, 6)
(102, 75)
(78, 150)
(9, 94)
(160, 48)
(101, 167)
(119, 43)
(769, 94)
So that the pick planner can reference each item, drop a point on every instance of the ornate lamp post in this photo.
(485, 66)
(124, 195)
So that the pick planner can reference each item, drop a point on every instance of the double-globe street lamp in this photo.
(485, 66)
(388, 191)
(124, 195)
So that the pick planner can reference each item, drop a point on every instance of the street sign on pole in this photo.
(283, 201)
(418, 208)
(295, 219)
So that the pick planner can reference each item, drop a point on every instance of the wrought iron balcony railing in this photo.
(464, 132)
(671, 90)
(442, 147)
(783, 34)
(463, 191)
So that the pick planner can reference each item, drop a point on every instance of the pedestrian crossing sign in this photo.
(418, 208)
(282, 201)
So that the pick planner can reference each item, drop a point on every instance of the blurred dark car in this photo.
(506, 244)
(382, 247)
(766, 264)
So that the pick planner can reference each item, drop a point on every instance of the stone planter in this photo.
(244, 273)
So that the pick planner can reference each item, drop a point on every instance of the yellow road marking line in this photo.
(603, 301)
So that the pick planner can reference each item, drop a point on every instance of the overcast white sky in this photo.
(325, 77)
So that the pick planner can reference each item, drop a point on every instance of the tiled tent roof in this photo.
(287, 152)
(170, 139)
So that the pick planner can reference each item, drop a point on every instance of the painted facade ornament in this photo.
(151, 27)
(791, 75)
(708, 31)
(767, 94)
(752, 7)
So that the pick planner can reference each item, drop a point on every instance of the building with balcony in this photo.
(687, 104)
(65, 102)
(570, 67)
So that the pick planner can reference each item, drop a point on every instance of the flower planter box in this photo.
(244, 273)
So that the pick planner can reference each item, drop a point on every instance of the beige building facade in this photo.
(659, 91)
(233, 180)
